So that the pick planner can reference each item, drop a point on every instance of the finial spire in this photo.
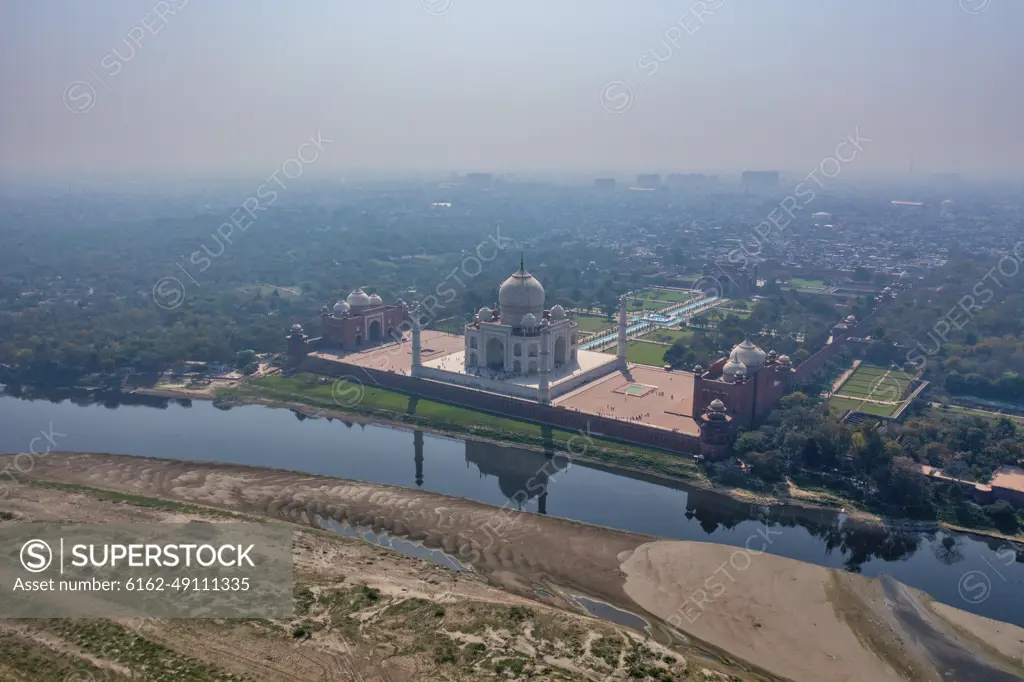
(522, 267)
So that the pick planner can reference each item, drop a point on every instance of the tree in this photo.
(861, 274)
(1003, 516)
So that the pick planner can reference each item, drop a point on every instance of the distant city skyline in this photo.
(174, 87)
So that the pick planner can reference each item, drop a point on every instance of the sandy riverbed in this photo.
(776, 618)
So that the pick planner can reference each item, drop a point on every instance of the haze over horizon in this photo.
(235, 87)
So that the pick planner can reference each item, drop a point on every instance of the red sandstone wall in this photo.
(513, 407)
(345, 331)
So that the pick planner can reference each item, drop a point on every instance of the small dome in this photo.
(785, 360)
(851, 319)
(698, 370)
(341, 307)
(297, 328)
(733, 370)
(717, 405)
(529, 320)
(557, 312)
(376, 300)
(749, 355)
(358, 299)
(485, 314)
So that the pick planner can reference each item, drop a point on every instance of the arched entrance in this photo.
(359, 339)
(533, 367)
(495, 354)
(517, 367)
(560, 350)
(374, 331)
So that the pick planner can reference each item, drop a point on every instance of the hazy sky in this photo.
(238, 85)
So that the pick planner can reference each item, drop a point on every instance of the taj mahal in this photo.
(520, 348)
(524, 360)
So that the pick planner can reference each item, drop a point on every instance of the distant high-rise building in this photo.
(648, 180)
(605, 183)
(760, 180)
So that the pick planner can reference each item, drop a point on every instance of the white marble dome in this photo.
(519, 295)
(529, 320)
(485, 314)
(851, 319)
(749, 355)
(376, 300)
(717, 405)
(340, 308)
(557, 312)
(785, 360)
(358, 299)
(733, 369)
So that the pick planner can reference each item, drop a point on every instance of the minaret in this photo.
(544, 390)
(622, 332)
(414, 317)
(417, 444)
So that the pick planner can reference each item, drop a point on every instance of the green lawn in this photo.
(873, 382)
(806, 283)
(644, 353)
(838, 405)
(741, 314)
(593, 323)
(644, 304)
(668, 335)
(310, 390)
(665, 295)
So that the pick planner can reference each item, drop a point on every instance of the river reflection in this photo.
(978, 574)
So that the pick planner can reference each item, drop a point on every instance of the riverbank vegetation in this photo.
(320, 393)
(879, 470)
